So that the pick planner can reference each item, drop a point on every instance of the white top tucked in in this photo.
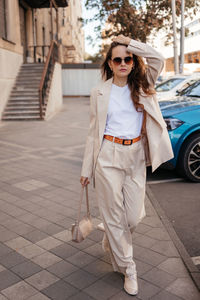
(123, 121)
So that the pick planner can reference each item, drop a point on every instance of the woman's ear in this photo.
(110, 64)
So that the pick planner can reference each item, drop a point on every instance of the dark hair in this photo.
(136, 79)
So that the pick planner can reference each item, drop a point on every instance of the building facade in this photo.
(191, 46)
(71, 33)
(27, 28)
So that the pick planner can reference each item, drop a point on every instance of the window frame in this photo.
(4, 33)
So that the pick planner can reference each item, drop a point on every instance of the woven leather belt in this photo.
(125, 142)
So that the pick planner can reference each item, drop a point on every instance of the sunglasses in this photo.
(118, 60)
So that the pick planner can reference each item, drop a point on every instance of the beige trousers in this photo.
(120, 178)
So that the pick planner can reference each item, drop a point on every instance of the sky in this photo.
(89, 30)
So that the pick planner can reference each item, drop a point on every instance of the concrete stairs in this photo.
(23, 103)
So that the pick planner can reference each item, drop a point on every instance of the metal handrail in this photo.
(42, 54)
(52, 57)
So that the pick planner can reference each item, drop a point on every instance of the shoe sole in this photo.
(129, 293)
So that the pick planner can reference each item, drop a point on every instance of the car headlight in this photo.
(173, 123)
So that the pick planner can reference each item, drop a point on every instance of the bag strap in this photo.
(80, 204)
(87, 201)
(143, 131)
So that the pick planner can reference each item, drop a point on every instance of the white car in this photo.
(169, 88)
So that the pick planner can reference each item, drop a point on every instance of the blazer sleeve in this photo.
(155, 60)
(88, 158)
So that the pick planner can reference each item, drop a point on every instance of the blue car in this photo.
(182, 116)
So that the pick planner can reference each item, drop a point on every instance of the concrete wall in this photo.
(79, 82)
(55, 96)
(13, 41)
(10, 63)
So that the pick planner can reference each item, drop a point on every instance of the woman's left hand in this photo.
(122, 39)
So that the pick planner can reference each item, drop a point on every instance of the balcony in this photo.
(46, 3)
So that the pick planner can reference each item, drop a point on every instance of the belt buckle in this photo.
(127, 144)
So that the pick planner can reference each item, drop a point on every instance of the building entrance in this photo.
(22, 12)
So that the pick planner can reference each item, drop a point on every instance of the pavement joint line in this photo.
(187, 260)
(14, 145)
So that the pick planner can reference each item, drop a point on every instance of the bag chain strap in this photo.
(143, 131)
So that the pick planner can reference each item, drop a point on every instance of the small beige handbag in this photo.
(82, 228)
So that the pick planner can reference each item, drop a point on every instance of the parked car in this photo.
(182, 116)
(170, 88)
(159, 80)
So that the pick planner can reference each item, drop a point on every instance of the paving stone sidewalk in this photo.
(40, 166)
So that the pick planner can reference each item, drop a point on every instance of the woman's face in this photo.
(121, 62)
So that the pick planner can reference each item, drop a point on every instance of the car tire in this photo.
(189, 159)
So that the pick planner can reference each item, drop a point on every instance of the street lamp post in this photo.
(182, 37)
(173, 4)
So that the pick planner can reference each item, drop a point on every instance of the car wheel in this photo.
(189, 159)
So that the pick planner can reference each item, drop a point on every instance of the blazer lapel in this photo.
(151, 109)
(103, 96)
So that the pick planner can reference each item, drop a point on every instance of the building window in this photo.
(3, 19)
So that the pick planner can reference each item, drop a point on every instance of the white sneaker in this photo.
(105, 244)
(100, 226)
(130, 284)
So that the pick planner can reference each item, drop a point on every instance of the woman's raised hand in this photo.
(122, 39)
(84, 181)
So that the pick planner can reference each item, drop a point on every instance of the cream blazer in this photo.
(157, 143)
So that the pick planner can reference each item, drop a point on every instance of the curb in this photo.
(192, 269)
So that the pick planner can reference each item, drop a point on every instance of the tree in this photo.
(96, 58)
(137, 19)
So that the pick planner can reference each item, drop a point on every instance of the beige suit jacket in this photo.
(158, 146)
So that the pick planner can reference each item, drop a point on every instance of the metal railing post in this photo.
(46, 76)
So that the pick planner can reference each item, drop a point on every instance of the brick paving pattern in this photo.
(40, 166)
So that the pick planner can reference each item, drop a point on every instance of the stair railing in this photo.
(52, 57)
(39, 52)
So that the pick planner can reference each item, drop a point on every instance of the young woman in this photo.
(127, 132)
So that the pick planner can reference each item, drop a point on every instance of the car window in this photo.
(193, 90)
(169, 84)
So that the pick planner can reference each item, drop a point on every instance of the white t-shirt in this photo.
(123, 121)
